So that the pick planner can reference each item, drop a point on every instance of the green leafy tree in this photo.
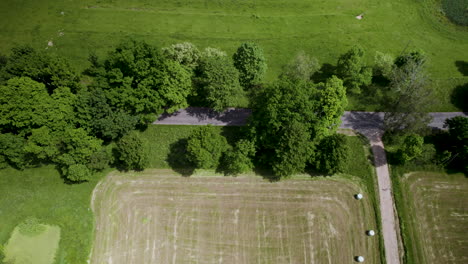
(133, 152)
(50, 70)
(239, 159)
(302, 66)
(43, 144)
(139, 80)
(205, 147)
(411, 148)
(284, 125)
(213, 52)
(352, 70)
(24, 105)
(383, 64)
(185, 53)
(251, 63)
(409, 99)
(218, 82)
(12, 149)
(95, 114)
(413, 56)
(78, 173)
(76, 147)
(332, 154)
(293, 150)
(331, 104)
(101, 159)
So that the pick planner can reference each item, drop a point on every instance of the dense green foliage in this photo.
(217, 82)
(456, 11)
(458, 142)
(205, 146)
(251, 63)
(411, 148)
(185, 54)
(133, 151)
(40, 66)
(332, 154)
(302, 67)
(289, 119)
(238, 160)
(352, 69)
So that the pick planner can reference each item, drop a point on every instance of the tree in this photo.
(352, 70)
(185, 53)
(458, 140)
(218, 82)
(76, 147)
(140, 81)
(284, 125)
(408, 100)
(302, 66)
(205, 147)
(239, 159)
(412, 148)
(251, 63)
(78, 173)
(94, 113)
(12, 150)
(331, 104)
(414, 56)
(293, 150)
(24, 105)
(383, 64)
(50, 70)
(43, 144)
(133, 152)
(213, 52)
(332, 154)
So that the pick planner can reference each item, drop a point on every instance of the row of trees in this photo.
(51, 114)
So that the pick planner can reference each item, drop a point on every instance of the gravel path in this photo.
(370, 124)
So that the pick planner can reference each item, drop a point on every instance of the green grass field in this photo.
(323, 29)
(38, 249)
(41, 193)
(433, 211)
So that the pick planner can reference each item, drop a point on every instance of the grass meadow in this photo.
(433, 210)
(324, 29)
(42, 193)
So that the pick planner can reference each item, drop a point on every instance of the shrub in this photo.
(239, 160)
(78, 173)
(133, 151)
(205, 147)
(332, 154)
(185, 53)
(412, 147)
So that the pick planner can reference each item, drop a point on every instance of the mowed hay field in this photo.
(436, 217)
(324, 29)
(159, 217)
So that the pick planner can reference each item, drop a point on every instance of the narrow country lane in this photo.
(369, 124)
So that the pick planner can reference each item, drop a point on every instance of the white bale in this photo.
(360, 259)
(371, 233)
(359, 196)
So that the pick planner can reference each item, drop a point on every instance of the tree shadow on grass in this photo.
(462, 67)
(178, 160)
(459, 97)
(326, 71)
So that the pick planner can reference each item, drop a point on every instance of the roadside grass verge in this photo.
(42, 193)
(37, 248)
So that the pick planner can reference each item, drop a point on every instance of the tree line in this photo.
(86, 122)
